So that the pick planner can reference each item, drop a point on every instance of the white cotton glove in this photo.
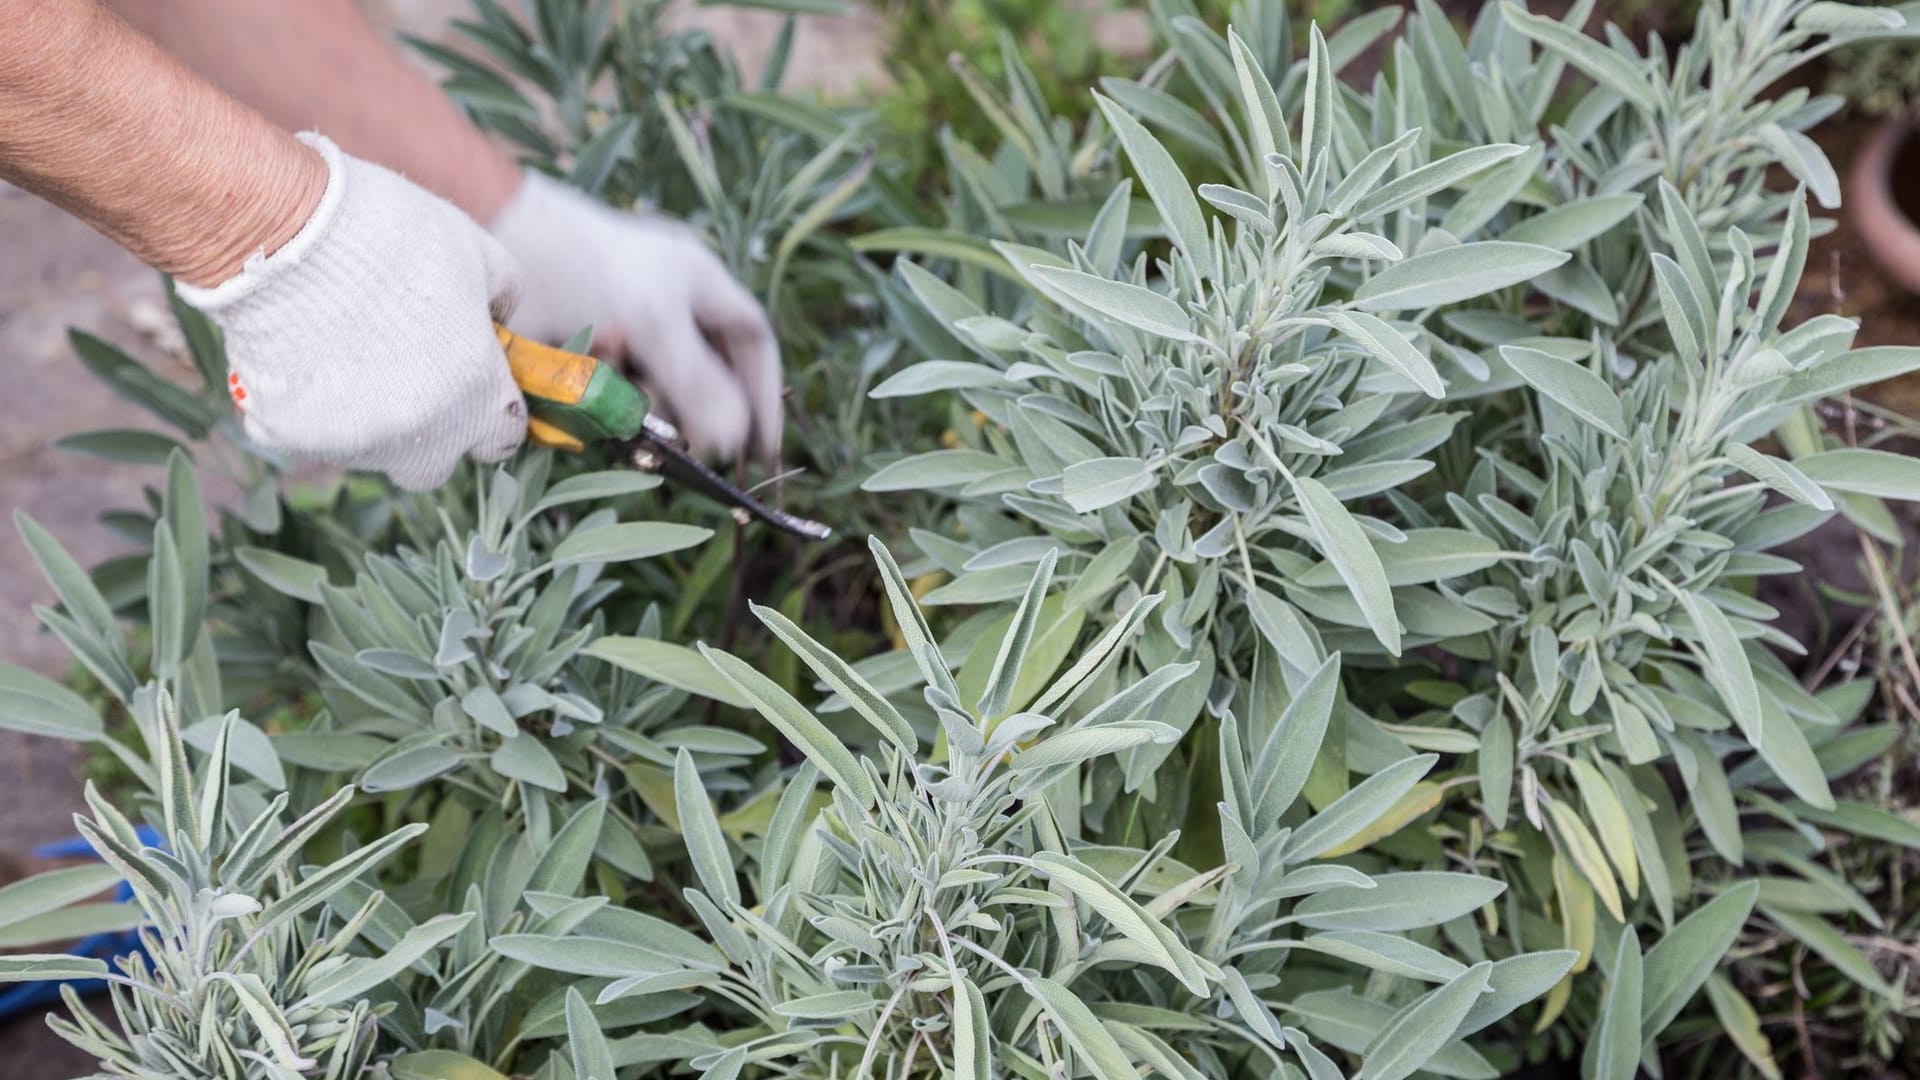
(367, 340)
(654, 293)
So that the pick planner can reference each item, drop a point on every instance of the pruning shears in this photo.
(574, 399)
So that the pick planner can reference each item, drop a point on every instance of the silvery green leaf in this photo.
(1827, 17)
(1742, 1024)
(1318, 877)
(73, 923)
(1879, 473)
(1425, 556)
(930, 376)
(1265, 117)
(1126, 916)
(1679, 963)
(835, 1005)
(1616, 72)
(706, 844)
(484, 707)
(53, 890)
(1318, 1065)
(1613, 1053)
(588, 956)
(1686, 322)
(841, 678)
(398, 663)
(1293, 744)
(1347, 547)
(1513, 982)
(1569, 385)
(1564, 228)
(268, 1019)
(912, 624)
(1316, 114)
(592, 1057)
(597, 487)
(1092, 1042)
(51, 967)
(123, 445)
(1142, 309)
(1357, 809)
(1166, 185)
(1404, 901)
(1086, 743)
(440, 1065)
(483, 563)
(934, 470)
(530, 762)
(1778, 475)
(408, 765)
(1362, 177)
(85, 605)
(628, 540)
(1785, 750)
(1131, 702)
(1449, 275)
(1418, 1032)
(563, 865)
(1803, 158)
(1821, 936)
(247, 746)
(360, 975)
(1492, 193)
(672, 665)
(1172, 116)
(1726, 664)
(1389, 953)
(1356, 245)
(1090, 485)
(998, 696)
(1390, 347)
(1580, 287)
(1239, 205)
(1429, 178)
(796, 723)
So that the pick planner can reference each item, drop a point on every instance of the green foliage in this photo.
(1333, 640)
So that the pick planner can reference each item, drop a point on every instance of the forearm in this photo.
(100, 121)
(316, 64)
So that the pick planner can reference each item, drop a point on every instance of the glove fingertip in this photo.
(499, 439)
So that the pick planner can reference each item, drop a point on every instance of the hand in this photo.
(367, 340)
(654, 292)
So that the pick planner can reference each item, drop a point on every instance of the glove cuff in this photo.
(262, 266)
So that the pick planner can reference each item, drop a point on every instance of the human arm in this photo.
(652, 289)
(357, 307)
(112, 129)
(316, 65)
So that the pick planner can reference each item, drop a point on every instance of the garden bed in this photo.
(1318, 592)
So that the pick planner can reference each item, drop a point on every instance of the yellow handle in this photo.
(571, 398)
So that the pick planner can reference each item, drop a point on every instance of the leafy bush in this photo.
(1406, 449)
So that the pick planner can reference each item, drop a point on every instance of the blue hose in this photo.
(36, 996)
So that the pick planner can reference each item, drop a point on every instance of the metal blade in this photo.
(658, 449)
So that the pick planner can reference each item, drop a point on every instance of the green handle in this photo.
(572, 399)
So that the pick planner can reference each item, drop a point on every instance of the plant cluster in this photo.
(1331, 644)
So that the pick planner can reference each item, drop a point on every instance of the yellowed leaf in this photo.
(1578, 844)
(1419, 799)
(1610, 819)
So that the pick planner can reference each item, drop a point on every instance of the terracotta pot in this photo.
(1883, 195)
